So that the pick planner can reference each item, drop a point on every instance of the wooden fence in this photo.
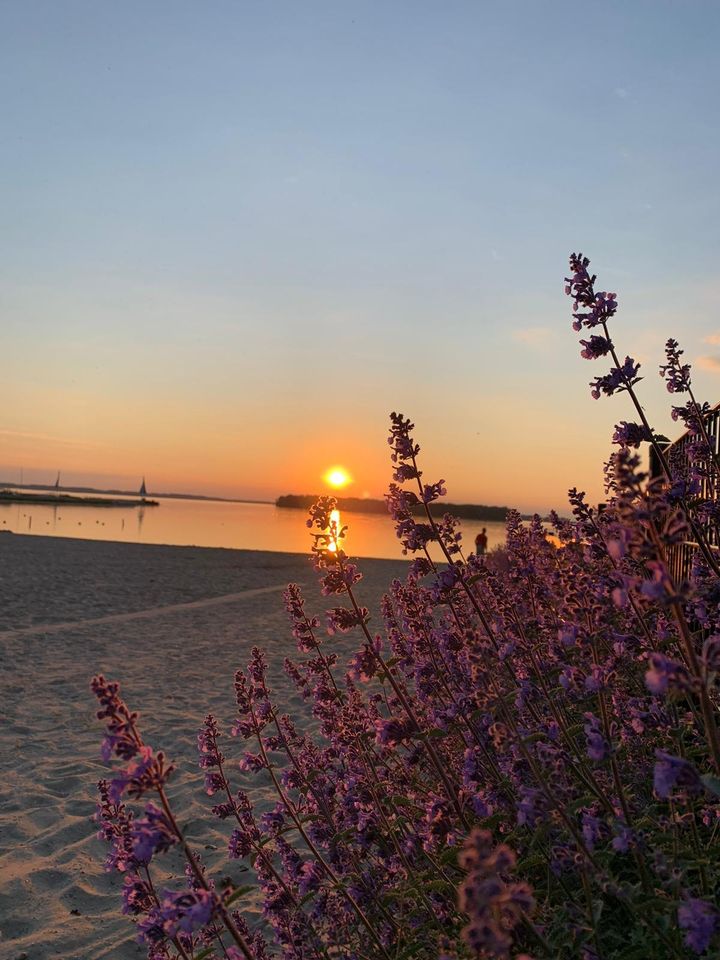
(680, 458)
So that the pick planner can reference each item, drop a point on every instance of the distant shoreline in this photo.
(464, 511)
(6, 485)
(57, 499)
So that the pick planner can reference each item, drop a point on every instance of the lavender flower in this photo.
(152, 833)
(116, 829)
(137, 895)
(120, 738)
(675, 777)
(631, 434)
(494, 905)
(303, 626)
(700, 920)
(667, 676)
(597, 747)
(619, 378)
(675, 373)
(391, 732)
(554, 697)
(211, 759)
(146, 770)
(147, 773)
(595, 347)
(185, 911)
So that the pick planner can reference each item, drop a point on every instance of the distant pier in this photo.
(8, 497)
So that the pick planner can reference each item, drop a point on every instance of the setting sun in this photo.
(337, 477)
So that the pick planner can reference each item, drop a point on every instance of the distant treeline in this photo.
(467, 511)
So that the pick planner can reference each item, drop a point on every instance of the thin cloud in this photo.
(47, 438)
(621, 93)
(714, 338)
(532, 336)
(709, 363)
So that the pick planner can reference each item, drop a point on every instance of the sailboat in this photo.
(144, 502)
(57, 481)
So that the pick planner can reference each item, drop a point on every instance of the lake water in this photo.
(209, 523)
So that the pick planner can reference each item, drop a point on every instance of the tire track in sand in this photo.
(138, 614)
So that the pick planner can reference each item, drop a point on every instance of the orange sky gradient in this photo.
(233, 244)
(497, 449)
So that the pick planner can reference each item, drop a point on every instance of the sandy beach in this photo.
(172, 624)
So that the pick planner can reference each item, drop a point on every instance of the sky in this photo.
(237, 235)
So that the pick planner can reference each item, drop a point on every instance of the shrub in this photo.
(525, 761)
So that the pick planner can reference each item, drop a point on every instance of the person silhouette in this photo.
(481, 542)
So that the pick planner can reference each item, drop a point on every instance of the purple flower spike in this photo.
(619, 378)
(631, 434)
(211, 759)
(311, 875)
(675, 777)
(590, 309)
(116, 829)
(343, 619)
(494, 905)
(700, 920)
(667, 676)
(121, 738)
(303, 626)
(597, 746)
(185, 911)
(405, 450)
(389, 733)
(151, 834)
(595, 347)
(148, 772)
(137, 896)
(675, 373)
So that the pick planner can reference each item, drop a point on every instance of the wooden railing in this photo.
(679, 457)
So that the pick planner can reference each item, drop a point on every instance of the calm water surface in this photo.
(206, 523)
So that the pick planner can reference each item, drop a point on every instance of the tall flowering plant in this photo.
(522, 762)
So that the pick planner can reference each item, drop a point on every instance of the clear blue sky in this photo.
(236, 235)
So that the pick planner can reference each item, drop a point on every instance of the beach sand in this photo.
(171, 624)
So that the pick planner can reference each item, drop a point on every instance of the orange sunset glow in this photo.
(334, 530)
(337, 477)
(175, 333)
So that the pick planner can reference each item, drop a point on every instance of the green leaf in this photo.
(534, 737)
(235, 895)
(344, 835)
(572, 808)
(448, 856)
(435, 734)
(411, 951)
(439, 886)
(204, 953)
